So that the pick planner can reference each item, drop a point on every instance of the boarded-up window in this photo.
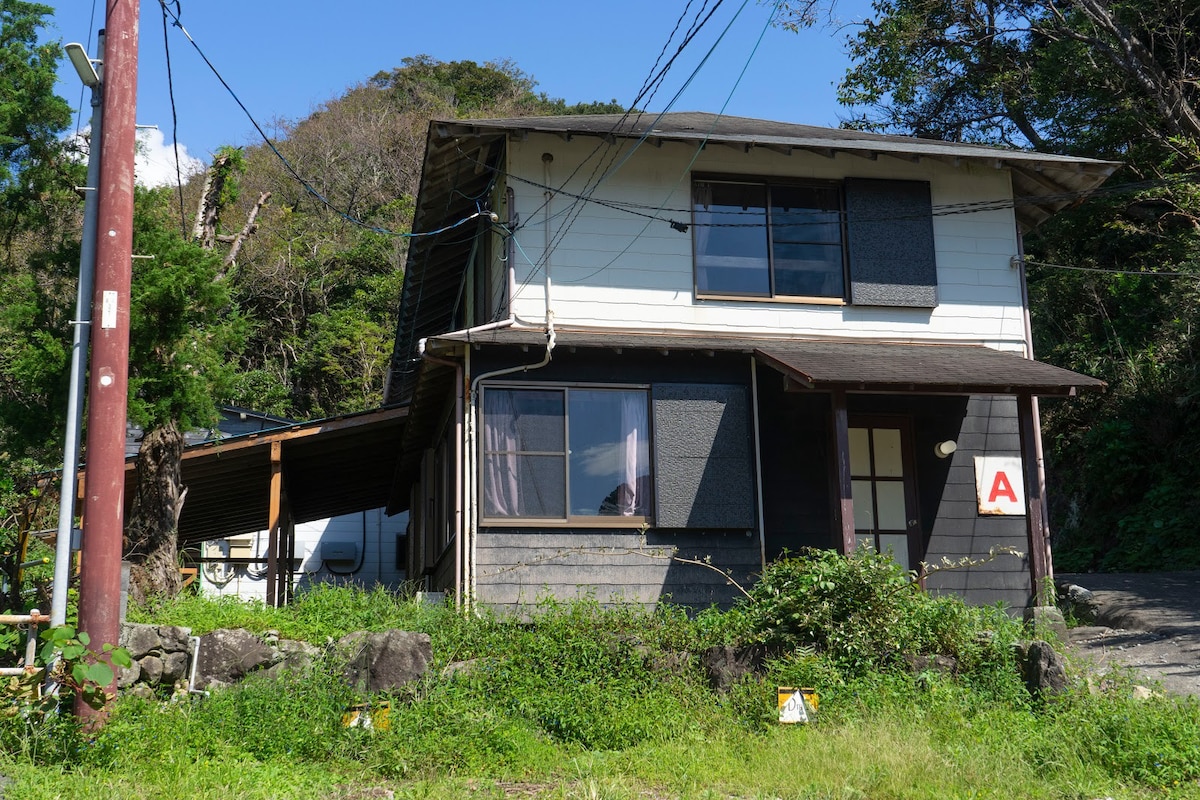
(704, 474)
(890, 235)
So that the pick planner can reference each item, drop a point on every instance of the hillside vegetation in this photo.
(579, 701)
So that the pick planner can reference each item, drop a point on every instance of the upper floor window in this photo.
(864, 241)
(767, 239)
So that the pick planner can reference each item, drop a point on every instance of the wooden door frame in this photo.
(904, 424)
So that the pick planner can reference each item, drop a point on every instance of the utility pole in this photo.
(108, 385)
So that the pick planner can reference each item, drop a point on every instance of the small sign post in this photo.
(796, 706)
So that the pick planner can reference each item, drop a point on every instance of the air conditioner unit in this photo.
(241, 546)
(339, 551)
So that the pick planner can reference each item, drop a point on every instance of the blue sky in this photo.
(284, 59)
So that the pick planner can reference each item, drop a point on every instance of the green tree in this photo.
(32, 118)
(184, 342)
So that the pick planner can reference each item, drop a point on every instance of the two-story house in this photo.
(631, 344)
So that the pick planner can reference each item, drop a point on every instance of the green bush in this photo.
(863, 613)
(852, 609)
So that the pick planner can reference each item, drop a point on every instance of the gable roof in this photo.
(462, 158)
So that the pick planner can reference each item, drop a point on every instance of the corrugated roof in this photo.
(329, 467)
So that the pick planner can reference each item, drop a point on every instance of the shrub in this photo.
(852, 609)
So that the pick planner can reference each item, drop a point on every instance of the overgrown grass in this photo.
(579, 701)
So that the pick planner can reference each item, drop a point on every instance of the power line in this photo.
(174, 120)
(1101, 270)
(291, 170)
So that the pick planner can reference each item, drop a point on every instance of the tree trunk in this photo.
(151, 532)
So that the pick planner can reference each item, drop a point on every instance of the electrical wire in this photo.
(700, 147)
(593, 183)
(174, 118)
(287, 165)
(652, 212)
(1101, 270)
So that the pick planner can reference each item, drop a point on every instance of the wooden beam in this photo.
(841, 436)
(1034, 517)
(273, 522)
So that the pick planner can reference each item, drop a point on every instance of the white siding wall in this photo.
(373, 533)
(612, 268)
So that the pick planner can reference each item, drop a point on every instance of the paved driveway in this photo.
(1148, 621)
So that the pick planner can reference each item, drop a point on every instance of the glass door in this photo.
(883, 488)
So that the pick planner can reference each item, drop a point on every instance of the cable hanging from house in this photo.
(1136, 273)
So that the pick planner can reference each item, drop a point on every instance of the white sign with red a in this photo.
(1000, 485)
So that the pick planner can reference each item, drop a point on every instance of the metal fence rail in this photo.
(30, 623)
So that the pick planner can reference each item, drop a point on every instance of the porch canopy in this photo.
(927, 369)
(828, 365)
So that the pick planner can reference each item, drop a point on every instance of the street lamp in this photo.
(82, 335)
(83, 64)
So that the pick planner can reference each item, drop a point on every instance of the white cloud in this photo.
(155, 165)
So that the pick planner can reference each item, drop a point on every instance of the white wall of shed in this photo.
(378, 559)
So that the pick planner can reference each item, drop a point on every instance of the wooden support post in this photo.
(841, 435)
(273, 522)
(1034, 505)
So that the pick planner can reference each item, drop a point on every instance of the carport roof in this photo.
(329, 467)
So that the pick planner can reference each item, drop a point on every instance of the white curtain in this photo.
(632, 500)
(501, 487)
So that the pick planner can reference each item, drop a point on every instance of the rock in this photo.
(946, 665)
(128, 676)
(726, 665)
(1077, 601)
(456, 669)
(174, 667)
(175, 638)
(295, 656)
(151, 668)
(140, 640)
(1042, 668)
(1045, 619)
(383, 662)
(143, 691)
(229, 655)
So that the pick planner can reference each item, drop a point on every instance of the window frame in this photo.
(768, 183)
(572, 520)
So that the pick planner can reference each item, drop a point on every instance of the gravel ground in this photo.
(1147, 621)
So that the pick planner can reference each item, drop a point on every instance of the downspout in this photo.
(547, 159)
(463, 512)
(758, 491)
(1037, 415)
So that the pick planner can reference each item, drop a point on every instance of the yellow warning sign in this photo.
(797, 705)
(367, 715)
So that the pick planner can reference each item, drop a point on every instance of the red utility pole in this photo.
(104, 505)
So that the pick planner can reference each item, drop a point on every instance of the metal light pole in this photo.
(108, 385)
(83, 318)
